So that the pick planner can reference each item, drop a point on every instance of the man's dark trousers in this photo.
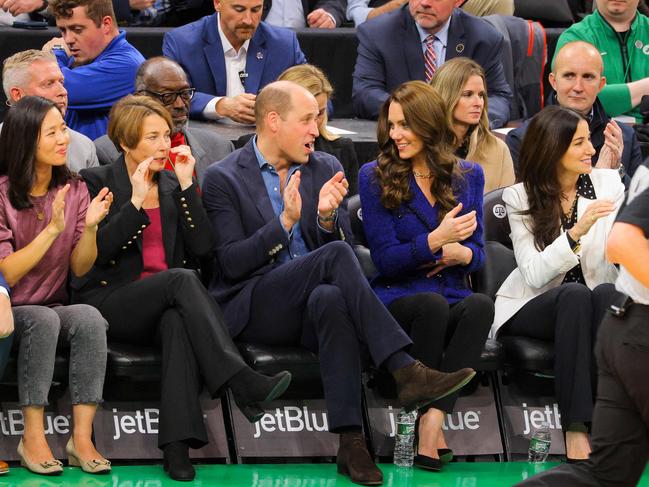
(322, 301)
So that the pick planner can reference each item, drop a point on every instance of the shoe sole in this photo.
(280, 388)
(4, 471)
(457, 387)
(165, 467)
(430, 469)
(447, 456)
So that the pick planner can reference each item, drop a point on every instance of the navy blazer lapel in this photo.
(456, 44)
(420, 207)
(167, 185)
(253, 181)
(255, 60)
(214, 53)
(413, 51)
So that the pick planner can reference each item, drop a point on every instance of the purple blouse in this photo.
(46, 283)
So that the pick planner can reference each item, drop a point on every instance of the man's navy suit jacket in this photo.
(390, 53)
(249, 234)
(197, 48)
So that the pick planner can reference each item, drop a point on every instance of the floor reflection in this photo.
(286, 475)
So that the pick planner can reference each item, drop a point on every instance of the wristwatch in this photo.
(329, 218)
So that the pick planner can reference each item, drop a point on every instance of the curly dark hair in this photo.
(546, 140)
(18, 144)
(423, 110)
(96, 10)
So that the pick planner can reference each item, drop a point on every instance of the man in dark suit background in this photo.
(229, 56)
(286, 274)
(392, 50)
(164, 80)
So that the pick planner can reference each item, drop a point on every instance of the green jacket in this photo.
(619, 68)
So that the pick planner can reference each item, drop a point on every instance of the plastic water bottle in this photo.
(404, 450)
(539, 444)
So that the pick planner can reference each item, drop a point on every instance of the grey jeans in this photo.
(38, 330)
(5, 348)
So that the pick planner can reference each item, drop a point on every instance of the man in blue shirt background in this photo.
(97, 62)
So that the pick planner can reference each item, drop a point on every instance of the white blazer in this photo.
(540, 271)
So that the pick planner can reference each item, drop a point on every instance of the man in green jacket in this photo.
(621, 34)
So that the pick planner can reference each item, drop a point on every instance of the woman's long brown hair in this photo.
(546, 140)
(424, 113)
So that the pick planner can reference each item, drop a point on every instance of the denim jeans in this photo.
(38, 330)
(5, 348)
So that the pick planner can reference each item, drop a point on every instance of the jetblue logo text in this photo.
(145, 422)
(12, 423)
(291, 419)
(535, 417)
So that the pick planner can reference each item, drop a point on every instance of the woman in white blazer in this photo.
(560, 215)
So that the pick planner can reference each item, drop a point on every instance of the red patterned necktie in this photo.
(430, 57)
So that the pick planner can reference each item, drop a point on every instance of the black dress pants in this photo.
(323, 302)
(445, 337)
(568, 315)
(174, 309)
(620, 434)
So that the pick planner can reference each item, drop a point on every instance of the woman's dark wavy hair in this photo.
(547, 139)
(423, 110)
(18, 142)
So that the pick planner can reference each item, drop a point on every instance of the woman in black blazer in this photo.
(145, 284)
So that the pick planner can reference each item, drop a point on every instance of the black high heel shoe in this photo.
(252, 412)
(445, 455)
(424, 461)
(249, 388)
(575, 428)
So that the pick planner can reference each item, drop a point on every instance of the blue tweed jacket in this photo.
(398, 239)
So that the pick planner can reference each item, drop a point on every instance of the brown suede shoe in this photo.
(418, 386)
(4, 467)
(355, 461)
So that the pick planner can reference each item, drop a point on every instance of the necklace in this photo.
(567, 214)
(38, 204)
(422, 175)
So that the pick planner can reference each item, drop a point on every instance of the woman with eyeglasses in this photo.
(145, 284)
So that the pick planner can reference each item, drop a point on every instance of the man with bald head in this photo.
(577, 80)
(286, 273)
(164, 80)
(621, 34)
(37, 73)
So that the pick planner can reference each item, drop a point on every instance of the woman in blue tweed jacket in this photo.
(422, 213)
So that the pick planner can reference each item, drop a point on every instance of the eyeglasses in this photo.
(170, 97)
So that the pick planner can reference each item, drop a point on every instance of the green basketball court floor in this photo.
(458, 474)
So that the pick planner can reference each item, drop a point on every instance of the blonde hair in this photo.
(315, 81)
(127, 117)
(15, 68)
(449, 81)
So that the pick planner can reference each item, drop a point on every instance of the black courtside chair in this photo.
(522, 354)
